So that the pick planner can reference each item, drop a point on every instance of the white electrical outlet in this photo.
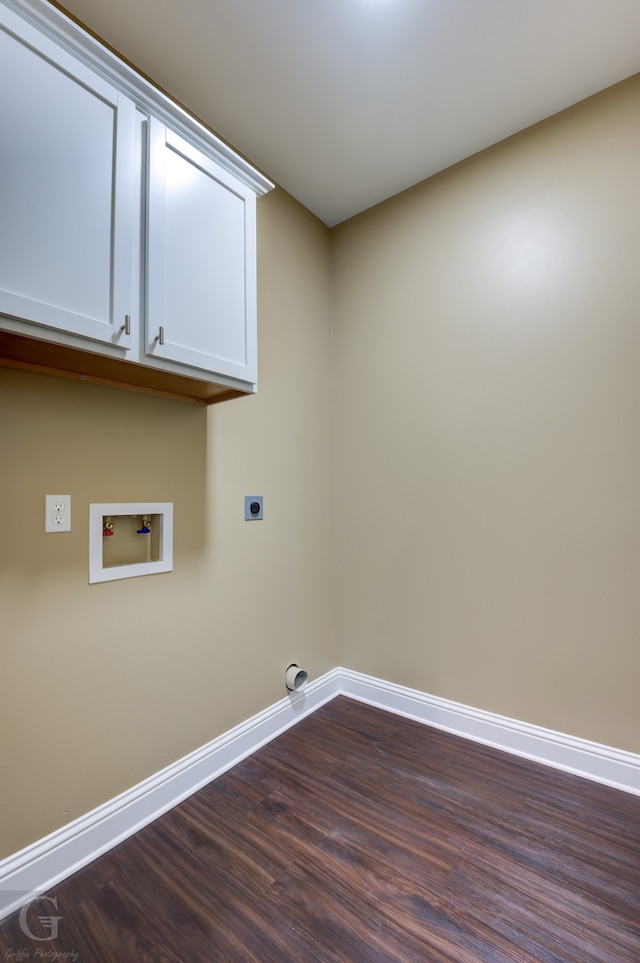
(57, 513)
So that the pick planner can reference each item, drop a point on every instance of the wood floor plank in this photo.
(362, 836)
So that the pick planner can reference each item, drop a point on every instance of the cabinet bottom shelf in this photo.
(45, 357)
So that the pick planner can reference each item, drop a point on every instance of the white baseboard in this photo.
(35, 869)
(38, 867)
(613, 767)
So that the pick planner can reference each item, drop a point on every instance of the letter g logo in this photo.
(48, 922)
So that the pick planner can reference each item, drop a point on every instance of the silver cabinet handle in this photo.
(126, 327)
(160, 335)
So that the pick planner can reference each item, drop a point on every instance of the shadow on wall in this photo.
(96, 444)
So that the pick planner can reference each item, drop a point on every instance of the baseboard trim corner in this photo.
(37, 868)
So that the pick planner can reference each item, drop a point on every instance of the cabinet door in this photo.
(201, 293)
(67, 172)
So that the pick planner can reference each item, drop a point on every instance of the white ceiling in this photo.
(346, 102)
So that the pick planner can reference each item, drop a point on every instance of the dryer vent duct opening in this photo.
(295, 678)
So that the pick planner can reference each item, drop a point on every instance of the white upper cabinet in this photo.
(66, 188)
(201, 295)
(127, 229)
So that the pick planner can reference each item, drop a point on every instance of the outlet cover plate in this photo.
(57, 513)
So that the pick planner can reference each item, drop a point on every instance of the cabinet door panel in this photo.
(66, 189)
(201, 234)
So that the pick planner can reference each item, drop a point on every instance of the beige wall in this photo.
(103, 685)
(487, 470)
(488, 441)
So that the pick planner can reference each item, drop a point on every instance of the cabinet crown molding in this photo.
(148, 97)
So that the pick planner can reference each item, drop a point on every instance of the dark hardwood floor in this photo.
(361, 836)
